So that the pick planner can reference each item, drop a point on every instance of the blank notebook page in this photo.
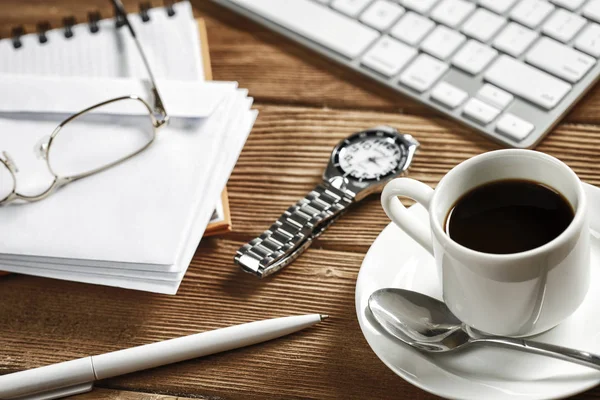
(110, 52)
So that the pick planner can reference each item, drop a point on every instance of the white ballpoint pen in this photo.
(78, 376)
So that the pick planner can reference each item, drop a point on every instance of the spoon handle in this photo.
(544, 349)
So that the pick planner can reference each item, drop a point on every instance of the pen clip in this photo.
(64, 392)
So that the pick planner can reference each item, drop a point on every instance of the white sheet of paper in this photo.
(164, 282)
(136, 212)
(35, 94)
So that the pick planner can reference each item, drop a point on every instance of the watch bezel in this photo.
(360, 188)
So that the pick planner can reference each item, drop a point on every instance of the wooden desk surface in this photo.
(306, 105)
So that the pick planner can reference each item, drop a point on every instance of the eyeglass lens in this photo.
(100, 138)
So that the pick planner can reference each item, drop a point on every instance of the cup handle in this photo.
(396, 211)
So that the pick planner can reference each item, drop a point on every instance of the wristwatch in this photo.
(359, 165)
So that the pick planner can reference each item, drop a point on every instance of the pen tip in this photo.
(324, 316)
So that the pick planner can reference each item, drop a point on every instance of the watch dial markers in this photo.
(369, 157)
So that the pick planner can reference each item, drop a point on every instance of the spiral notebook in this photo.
(161, 245)
(94, 49)
(89, 50)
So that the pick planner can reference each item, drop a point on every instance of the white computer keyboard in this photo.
(508, 68)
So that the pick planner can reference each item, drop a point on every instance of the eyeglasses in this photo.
(85, 143)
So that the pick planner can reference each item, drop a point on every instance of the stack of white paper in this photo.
(136, 225)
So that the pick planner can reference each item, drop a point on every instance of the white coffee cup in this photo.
(503, 294)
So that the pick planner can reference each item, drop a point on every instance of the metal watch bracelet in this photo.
(294, 231)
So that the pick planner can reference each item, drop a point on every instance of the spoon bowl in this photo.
(417, 320)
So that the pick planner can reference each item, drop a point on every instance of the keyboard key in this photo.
(452, 12)
(569, 4)
(473, 57)
(497, 6)
(318, 23)
(351, 8)
(592, 10)
(448, 95)
(480, 112)
(531, 12)
(388, 56)
(514, 39)
(589, 40)
(514, 127)
(559, 60)
(442, 42)
(527, 82)
(494, 96)
(382, 14)
(412, 28)
(483, 24)
(563, 25)
(423, 72)
(420, 6)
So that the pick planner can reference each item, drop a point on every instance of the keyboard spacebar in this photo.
(527, 82)
(316, 22)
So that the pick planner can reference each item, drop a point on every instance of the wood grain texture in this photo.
(264, 183)
(41, 326)
(108, 394)
(306, 105)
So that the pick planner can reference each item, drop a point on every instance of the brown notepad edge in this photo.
(224, 226)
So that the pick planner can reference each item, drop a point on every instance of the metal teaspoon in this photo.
(428, 325)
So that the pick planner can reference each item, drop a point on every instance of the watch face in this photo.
(370, 155)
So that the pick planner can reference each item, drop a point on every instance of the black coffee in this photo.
(508, 216)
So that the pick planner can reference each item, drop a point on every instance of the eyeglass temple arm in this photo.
(158, 103)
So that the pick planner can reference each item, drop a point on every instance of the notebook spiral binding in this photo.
(94, 17)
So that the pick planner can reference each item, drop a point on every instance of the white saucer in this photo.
(395, 260)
